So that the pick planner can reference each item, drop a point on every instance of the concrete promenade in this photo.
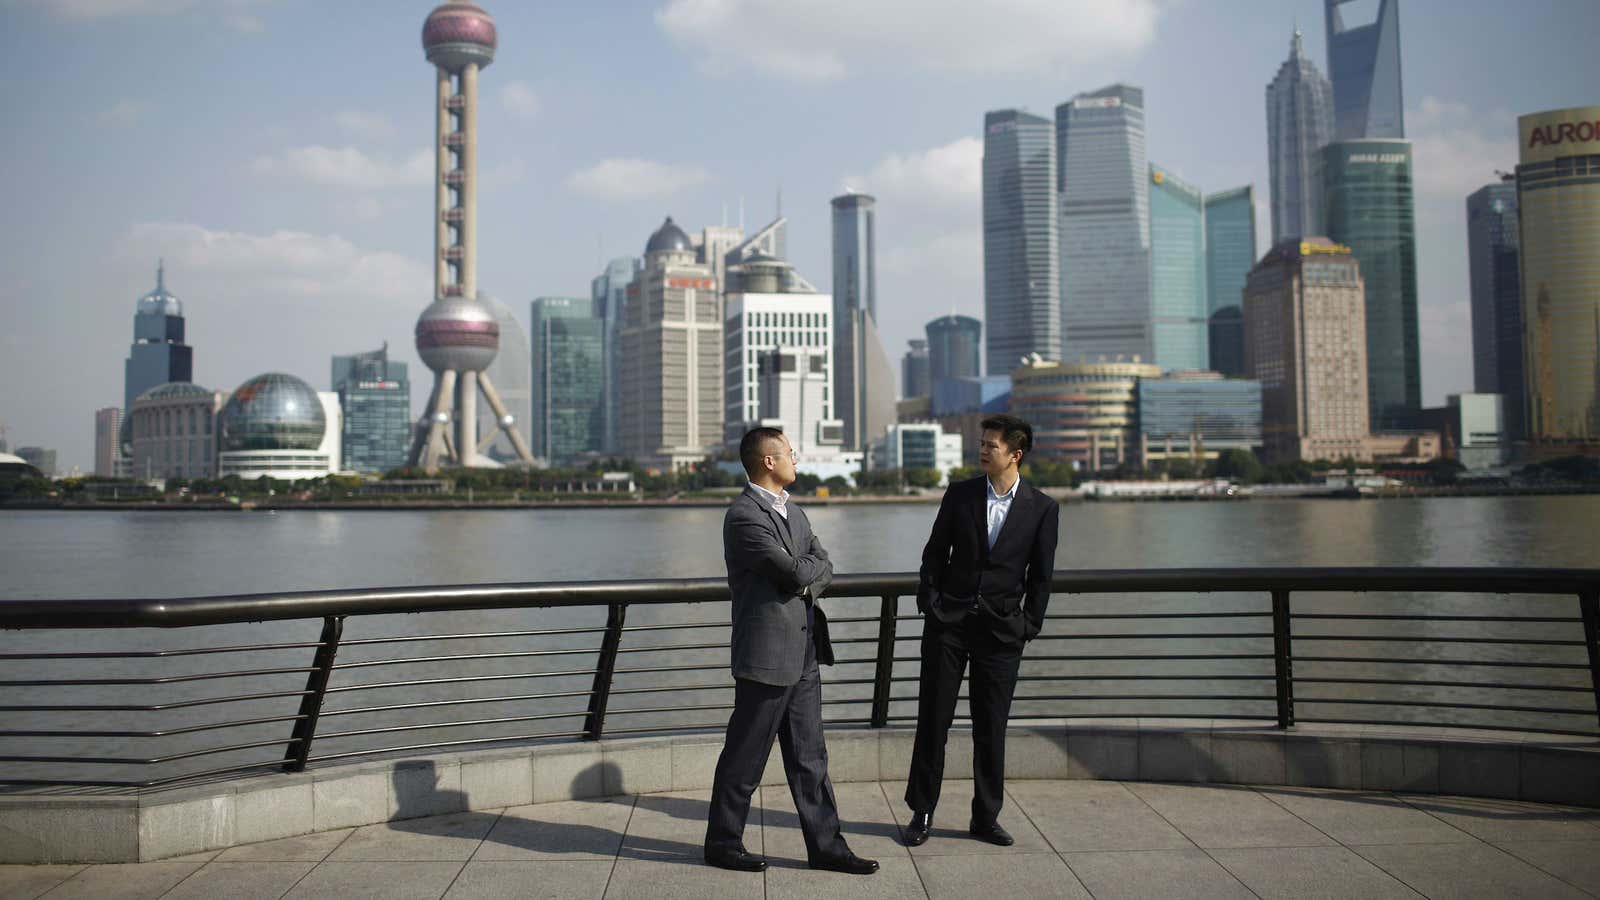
(1100, 839)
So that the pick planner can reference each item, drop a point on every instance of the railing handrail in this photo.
(183, 612)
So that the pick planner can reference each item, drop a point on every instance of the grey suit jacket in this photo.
(775, 575)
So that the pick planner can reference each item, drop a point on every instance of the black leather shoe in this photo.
(917, 830)
(736, 858)
(992, 833)
(849, 864)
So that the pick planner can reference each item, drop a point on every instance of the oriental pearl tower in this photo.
(457, 336)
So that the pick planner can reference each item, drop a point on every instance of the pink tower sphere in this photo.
(458, 33)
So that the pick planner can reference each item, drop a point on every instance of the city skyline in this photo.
(289, 228)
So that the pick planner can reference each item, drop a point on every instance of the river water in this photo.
(169, 554)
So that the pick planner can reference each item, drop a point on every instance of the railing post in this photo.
(885, 670)
(1589, 603)
(595, 724)
(305, 727)
(1283, 657)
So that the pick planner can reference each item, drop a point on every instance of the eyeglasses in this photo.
(793, 456)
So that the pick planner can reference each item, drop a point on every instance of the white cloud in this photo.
(1454, 152)
(623, 178)
(346, 167)
(121, 115)
(364, 125)
(950, 176)
(520, 99)
(824, 40)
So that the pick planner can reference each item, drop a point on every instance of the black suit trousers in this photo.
(946, 651)
(793, 715)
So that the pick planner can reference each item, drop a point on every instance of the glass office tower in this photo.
(953, 343)
(1230, 253)
(1492, 258)
(1104, 179)
(1021, 282)
(1364, 66)
(375, 402)
(1299, 123)
(568, 367)
(1177, 272)
(1367, 195)
(1558, 198)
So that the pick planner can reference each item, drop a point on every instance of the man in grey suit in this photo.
(776, 571)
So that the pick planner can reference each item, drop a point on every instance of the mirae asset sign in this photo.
(1390, 158)
(1561, 132)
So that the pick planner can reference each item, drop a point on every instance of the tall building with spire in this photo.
(1364, 65)
(158, 354)
(1299, 123)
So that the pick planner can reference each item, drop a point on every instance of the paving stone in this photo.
(950, 821)
(690, 879)
(569, 773)
(126, 881)
(1399, 765)
(1365, 817)
(896, 878)
(1467, 871)
(240, 881)
(1175, 756)
(274, 812)
(1322, 761)
(1169, 874)
(1103, 754)
(301, 848)
(865, 817)
(1575, 862)
(28, 882)
(1014, 875)
(1248, 757)
(1510, 820)
(452, 837)
(572, 830)
(337, 880)
(672, 825)
(1095, 815)
(1326, 873)
(497, 782)
(525, 880)
(1227, 816)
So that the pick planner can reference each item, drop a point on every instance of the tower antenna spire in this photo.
(161, 274)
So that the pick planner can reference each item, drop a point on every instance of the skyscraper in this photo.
(375, 405)
(914, 380)
(670, 357)
(568, 379)
(1558, 198)
(458, 335)
(1103, 178)
(107, 438)
(1364, 65)
(1177, 273)
(1299, 123)
(1367, 195)
(953, 343)
(1492, 258)
(1230, 253)
(863, 379)
(1305, 342)
(763, 315)
(158, 354)
(1021, 265)
(608, 291)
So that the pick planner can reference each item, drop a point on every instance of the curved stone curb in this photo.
(154, 825)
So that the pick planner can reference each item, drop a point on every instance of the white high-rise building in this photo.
(760, 318)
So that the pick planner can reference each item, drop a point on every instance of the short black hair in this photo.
(753, 446)
(1016, 433)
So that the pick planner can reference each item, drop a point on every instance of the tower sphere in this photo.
(454, 333)
(459, 33)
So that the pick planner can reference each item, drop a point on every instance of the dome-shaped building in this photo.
(278, 426)
(172, 430)
(669, 238)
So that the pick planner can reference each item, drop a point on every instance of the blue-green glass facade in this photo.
(569, 379)
(375, 401)
(1368, 206)
(1191, 416)
(1230, 252)
(1177, 272)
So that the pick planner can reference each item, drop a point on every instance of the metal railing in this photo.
(1245, 652)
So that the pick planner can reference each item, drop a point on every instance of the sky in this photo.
(276, 153)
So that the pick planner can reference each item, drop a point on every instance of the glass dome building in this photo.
(278, 426)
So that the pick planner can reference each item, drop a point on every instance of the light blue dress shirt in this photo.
(999, 508)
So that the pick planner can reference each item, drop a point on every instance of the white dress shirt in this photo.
(999, 508)
(779, 501)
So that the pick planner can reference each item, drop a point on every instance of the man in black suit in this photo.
(985, 583)
(776, 571)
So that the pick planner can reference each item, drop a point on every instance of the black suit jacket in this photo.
(1010, 584)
